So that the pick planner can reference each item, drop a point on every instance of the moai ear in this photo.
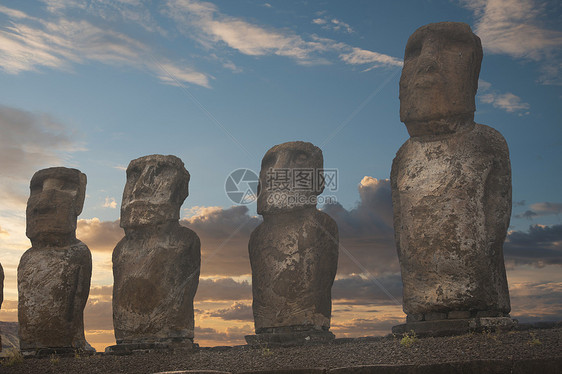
(81, 195)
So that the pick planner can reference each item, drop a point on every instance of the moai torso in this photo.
(300, 256)
(294, 252)
(452, 204)
(54, 274)
(451, 183)
(156, 265)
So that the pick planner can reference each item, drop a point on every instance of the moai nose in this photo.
(427, 61)
(144, 185)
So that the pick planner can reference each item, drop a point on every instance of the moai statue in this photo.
(294, 252)
(54, 274)
(451, 189)
(156, 265)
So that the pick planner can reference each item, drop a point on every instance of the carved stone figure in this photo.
(54, 274)
(451, 186)
(294, 252)
(156, 265)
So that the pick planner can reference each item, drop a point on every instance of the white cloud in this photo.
(207, 25)
(203, 22)
(61, 39)
(12, 13)
(509, 102)
(513, 27)
(110, 203)
(359, 56)
(333, 24)
(516, 28)
(31, 43)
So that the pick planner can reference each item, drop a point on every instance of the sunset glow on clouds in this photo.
(95, 84)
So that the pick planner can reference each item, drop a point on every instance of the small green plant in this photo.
(489, 333)
(408, 339)
(14, 358)
(265, 351)
(54, 359)
(534, 340)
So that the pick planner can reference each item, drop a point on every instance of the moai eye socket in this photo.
(133, 173)
(269, 159)
(300, 158)
(36, 188)
(413, 49)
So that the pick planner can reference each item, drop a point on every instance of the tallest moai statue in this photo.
(451, 188)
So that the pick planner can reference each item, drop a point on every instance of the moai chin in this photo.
(54, 274)
(294, 252)
(451, 189)
(156, 265)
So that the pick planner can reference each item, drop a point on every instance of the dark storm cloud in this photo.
(224, 235)
(547, 208)
(232, 336)
(529, 214)
(541, 245)
(223, 289)
(366, 231)
(237, 311)
(360, 291)
(541, 209)
(366, 235)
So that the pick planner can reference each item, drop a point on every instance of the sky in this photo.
(95, 84)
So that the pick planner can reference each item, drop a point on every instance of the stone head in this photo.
(56, 200)
(156, 187)
(290, 177)
(439, 78)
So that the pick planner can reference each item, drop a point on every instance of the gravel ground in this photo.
(516, 345)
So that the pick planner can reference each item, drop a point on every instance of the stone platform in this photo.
(58, 351)
(130, 347)
(286, 339)
(447, 327)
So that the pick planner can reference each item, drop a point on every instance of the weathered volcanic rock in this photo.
(54, 274)
(293, 253)
(156, 265)
(451, 183)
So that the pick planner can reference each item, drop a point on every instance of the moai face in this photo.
(290, 177)
(155, 190)
(439, 78)
(56, 200)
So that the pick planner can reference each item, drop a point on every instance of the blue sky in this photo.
(95, 84)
